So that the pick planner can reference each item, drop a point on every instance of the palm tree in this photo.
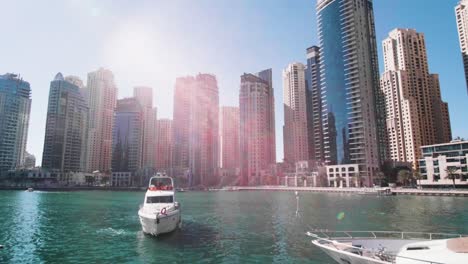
(404, 176)
(379, 177)
(358, 179)
(451, 174)
(339, 179)
(418, 176)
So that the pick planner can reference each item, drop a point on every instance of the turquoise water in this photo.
(218, 227)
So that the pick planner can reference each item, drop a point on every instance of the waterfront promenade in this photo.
(396, 191)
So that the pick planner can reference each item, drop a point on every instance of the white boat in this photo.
(382, 247)
(30, 189)
(160, 213)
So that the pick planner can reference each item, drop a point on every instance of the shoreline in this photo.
(361, 191)
(356, 191)
(73, 189)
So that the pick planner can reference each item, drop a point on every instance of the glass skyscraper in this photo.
(354, 128)
(66, 127)
(15, 108)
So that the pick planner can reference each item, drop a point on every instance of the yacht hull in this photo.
(347, 257)
(159, 224)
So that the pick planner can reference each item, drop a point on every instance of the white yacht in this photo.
(160, 213)
(382, 247)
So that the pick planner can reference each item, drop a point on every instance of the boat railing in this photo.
(333, 234)
(380, 253)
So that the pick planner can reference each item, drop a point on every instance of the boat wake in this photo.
(114, 232)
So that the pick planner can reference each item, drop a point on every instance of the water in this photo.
(218, 227)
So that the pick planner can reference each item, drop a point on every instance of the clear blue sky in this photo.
(153, 42)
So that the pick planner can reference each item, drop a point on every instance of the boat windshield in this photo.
(161, 182)
(160, 199)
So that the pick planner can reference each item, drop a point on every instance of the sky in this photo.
(151, 42)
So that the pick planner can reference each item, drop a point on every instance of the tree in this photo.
(451, 174)
(379, 177)
(339, 179)
(105, 179)
(358, 179)
(418, 176)
(89, 179)
(404, 176)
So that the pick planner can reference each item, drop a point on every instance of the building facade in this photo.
(295, 136)
(204, 131)
(183, 91)
(102, 96)
(314, 105)
(144, 95)
(127, 136)
(66, 132)
(229, 138)
(164, 145)
(257, 126)
(353, 111)
(15, 108)
(415, 113)
(196, 129)
(461, 12)
(439, 160)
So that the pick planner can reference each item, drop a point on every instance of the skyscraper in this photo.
(257, 134)
(145, 96)
(461, 11)
(229, 140)
(127, 136)
(102, 95)
(183, 90)
(354, 131)
(15, 108)
(314, 105)
(195, 128)
(416, 115)
(66, 127)
(164, 144)
(204, 130)
(295, 136)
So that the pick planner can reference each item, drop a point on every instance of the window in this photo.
(160, 199)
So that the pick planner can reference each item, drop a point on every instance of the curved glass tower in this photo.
(350, 85)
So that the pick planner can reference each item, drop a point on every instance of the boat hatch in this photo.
(418, 248)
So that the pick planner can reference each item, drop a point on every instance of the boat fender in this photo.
(164, 211)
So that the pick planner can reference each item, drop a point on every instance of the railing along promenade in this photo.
(396, 191)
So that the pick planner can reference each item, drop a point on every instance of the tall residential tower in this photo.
(66, 132)
(102, 97)
(314, 105)
(257, 126)
(354, 131)
(296, 145)
(15, 108)
(416, 115)
(461, 12)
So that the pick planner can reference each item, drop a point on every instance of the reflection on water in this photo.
(23, 236)
(218, 227)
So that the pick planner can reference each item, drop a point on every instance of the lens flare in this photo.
(340, 216)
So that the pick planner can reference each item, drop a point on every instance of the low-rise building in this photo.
(121, 179)
(345, 175)
(306, 174)
(440, 160)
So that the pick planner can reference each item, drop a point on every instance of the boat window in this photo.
(159, 182)
(160, 199)
(417, 248)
